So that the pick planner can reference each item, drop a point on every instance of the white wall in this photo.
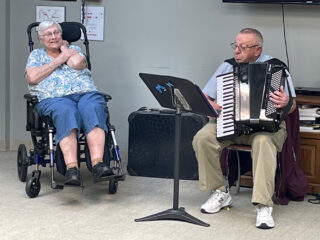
(183, 38)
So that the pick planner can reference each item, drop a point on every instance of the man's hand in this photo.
(279, 98)
(213, 103)
(217, 107)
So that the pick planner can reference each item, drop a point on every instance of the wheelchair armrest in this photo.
(32, 114)
(30, 98)
(107, 97)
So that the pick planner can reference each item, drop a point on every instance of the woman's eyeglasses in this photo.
(51, 34)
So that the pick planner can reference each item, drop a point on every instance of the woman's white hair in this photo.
(45, 24)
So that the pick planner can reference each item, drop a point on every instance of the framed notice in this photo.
(50, 13)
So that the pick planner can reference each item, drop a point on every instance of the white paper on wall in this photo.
(94, 22)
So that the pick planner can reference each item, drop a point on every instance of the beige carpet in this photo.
(94, 214)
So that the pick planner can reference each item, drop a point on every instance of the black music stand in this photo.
(177, 93)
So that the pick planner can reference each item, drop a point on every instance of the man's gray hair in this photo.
(45, 24)
(254, 32)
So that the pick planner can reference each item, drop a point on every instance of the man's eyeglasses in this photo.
(242, 46)
(51, 34)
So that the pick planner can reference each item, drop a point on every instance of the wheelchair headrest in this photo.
(71, 31)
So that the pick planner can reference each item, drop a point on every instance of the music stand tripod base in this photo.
(172, 214)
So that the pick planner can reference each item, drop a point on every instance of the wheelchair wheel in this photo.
(113, 186)
(22, 164)
(33, 187)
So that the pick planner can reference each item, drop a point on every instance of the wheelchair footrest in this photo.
(121, 177)
(54, 185)
(108, 178)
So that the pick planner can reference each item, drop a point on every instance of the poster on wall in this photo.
(94, 22)
(50, 13)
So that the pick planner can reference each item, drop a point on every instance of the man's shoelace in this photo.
(264, 212)
(215, 196)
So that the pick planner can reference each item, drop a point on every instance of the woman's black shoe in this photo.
(73, 177)
(101, 170)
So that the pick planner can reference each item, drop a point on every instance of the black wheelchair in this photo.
(42, 130)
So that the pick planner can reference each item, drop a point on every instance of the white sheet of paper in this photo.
(94, 23)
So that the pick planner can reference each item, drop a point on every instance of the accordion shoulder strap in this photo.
(231, 61)
(274, 61)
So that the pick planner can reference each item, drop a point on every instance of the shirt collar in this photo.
(260, 58)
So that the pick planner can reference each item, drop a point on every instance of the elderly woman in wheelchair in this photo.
(58, 75)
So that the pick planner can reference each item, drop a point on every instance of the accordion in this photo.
(244, 97)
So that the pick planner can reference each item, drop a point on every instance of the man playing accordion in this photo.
(265, 145)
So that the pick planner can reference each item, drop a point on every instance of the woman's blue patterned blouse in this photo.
(62, 81)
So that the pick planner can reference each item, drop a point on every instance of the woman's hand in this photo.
(66, 52)
(65, 43)
(71, 57)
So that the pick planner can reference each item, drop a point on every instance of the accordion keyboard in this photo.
(225, 98)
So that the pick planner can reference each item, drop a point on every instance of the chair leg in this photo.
(239, 172)
(226, 177)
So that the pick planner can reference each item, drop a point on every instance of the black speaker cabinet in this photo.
(151, 143)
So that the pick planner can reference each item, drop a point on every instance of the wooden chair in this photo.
(237, 148)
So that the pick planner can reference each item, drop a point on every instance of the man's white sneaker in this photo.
(264, 218)
(216, 201)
